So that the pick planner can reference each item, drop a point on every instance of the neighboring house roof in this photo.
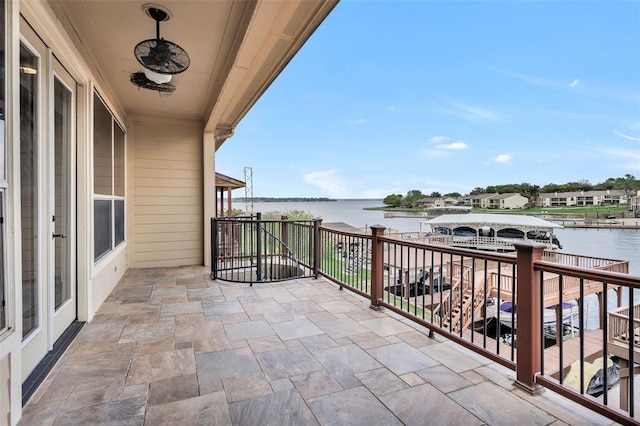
(341, 226)
(505, 196)
(482, 196)
(224, 181)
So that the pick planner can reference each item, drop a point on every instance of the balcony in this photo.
(348, 339)
(172, 346)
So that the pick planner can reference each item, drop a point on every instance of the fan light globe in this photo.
(156, 77)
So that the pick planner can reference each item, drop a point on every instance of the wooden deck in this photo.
(570, 348)
(593, 346)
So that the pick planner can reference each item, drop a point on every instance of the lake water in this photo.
(621, 244)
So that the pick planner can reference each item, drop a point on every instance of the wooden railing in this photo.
(428, 283)
(623, 324)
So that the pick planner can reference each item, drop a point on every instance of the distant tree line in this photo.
(411, 199)
(284, 199)
(628, 184)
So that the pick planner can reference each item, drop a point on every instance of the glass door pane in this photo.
(62, 189)
(3, 294)
(29, 68)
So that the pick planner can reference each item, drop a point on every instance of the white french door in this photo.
(47, 162)
(62, 203)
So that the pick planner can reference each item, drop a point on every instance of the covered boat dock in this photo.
(492, 231)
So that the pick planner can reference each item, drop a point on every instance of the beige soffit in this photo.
(237, 49)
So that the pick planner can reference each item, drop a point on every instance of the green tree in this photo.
(477, 191)
(413, 197)
(552, 187)
(629, 185)
(581, 185)
(298, 215)
(290, 214)
(237, 212)
(530, 191)
(435, 194)
(453, 195)
(607, 184)
(393, 200)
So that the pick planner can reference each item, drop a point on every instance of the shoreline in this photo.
(633, 223)
(569, 223)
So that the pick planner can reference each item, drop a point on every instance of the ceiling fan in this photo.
(140, 79)
(160, 58)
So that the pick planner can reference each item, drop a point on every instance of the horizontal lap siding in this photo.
(167, 197)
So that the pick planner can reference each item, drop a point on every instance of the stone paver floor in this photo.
(173, 347)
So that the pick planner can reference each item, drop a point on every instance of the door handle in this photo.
(59, 236)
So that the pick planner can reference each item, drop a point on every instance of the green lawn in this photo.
(577, 210)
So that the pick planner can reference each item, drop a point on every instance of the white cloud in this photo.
(442, 149)
(434, 153)
(474, 114)
(438, 139)
(535, 81)
(328, 182)
(454, 146)
(629, 95)
(502, 159)
(625, 158)
(622, 135)
(357, 121)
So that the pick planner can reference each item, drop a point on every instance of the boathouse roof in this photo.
(491, 219)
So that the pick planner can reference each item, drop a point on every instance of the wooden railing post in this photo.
(529, 323)
(377, 231)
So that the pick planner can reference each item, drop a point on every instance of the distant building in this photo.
(634, 205)
(508, 201)
(478, 201)
(437, 202)
(497, 201)
(581, 198)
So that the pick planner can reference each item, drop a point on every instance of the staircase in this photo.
(466, 310)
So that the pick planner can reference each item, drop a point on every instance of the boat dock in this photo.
(600, 224)
(570, 349)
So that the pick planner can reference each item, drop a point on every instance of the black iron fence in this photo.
(251, 250)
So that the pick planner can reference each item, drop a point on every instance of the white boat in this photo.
(569, 315)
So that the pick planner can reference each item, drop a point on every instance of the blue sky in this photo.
(390, 96)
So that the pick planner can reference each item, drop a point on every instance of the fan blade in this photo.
(179, 65)
(156, 64)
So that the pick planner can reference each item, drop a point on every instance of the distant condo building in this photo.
(507, 201)
(582, 198)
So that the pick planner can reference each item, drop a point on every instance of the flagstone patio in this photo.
(171, 346)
